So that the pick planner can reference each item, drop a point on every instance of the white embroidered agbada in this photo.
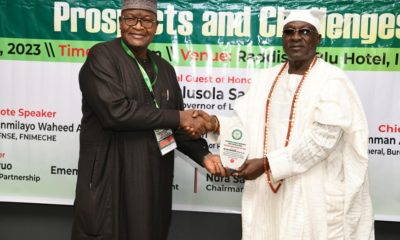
(325, 191)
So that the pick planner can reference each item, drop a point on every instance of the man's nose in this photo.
(296, 35)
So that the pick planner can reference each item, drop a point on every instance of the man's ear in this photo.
(319, 38)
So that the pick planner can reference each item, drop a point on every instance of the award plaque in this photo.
(234, 148)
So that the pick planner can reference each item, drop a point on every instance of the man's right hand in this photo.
(197, 122)
(195, 126)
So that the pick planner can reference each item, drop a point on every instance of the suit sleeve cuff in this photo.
(171, 118)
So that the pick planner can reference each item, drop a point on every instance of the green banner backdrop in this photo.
(214, 46)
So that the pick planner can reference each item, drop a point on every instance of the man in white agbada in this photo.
(306, 173)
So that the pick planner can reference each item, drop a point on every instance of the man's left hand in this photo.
(213, 165)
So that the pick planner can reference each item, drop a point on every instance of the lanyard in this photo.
(146, 78)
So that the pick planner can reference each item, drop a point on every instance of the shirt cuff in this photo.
(279, 164)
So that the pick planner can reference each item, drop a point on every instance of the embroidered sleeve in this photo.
(316, 146)
(332, 114)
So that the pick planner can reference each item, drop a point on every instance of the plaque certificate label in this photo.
(234, 148)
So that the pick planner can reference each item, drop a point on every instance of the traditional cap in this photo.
(150, 5)
(311, 16)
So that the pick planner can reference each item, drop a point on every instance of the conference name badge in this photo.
(234, 148)
(166, 140)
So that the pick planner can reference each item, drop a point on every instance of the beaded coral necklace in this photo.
(291, 118)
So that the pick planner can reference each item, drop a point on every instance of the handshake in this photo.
(197, 122)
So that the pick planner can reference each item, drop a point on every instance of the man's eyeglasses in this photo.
(132, 21)
(304, 32)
